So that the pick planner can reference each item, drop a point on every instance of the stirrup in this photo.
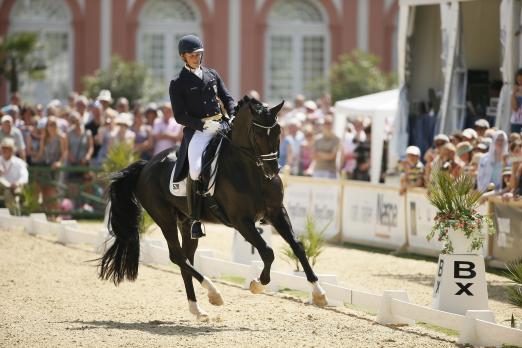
(197, 230)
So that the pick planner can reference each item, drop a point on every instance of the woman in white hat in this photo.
(122, 133)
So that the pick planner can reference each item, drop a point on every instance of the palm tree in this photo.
(17, 56)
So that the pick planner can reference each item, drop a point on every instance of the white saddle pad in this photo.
(179, 189)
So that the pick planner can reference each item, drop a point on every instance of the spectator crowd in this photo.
(81, 132)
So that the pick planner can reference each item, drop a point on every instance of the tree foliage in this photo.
(17, 56)
(358, 74)
(124, 79)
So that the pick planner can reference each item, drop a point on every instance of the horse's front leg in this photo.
(248, 230)
(281, 223)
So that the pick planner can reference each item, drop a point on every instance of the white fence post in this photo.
(385, 315)
(468, 334)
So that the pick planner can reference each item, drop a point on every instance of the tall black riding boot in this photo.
(195, 201)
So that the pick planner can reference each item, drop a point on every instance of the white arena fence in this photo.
(392, 307)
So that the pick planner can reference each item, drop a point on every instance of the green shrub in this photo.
(313, 243)
(514, 274)
(358, 74)
(124, 79)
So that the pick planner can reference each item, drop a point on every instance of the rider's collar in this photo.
(198, 71)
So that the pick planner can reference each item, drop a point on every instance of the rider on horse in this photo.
(195, 95)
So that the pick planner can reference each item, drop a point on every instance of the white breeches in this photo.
(197, 145)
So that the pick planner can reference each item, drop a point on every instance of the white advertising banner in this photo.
(374, 215)
(420, 214)
(318, 199)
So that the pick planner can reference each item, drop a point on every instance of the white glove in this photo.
(211, 127)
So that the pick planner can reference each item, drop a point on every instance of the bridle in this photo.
(261, 158)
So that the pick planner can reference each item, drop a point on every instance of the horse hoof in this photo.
(256, 287)
(203, 317)
(319, 299)
(215, 298)
(195, 309)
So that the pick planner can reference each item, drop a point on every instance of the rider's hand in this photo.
(211, 127)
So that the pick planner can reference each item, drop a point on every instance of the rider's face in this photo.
(192, 59)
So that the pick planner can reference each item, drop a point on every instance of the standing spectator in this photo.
(121, 133)
(306, 151)
(103, 138)
(491, 165)
(516, 104)
(13, 176)
(122, 105)
(448, 160)
(8, 131)
(81, 108)
(353, 137)
(326, 147)
(515, 160)
(151, 113)
(143, 143)
(413, 175)
(166, 132)
(94, 125)
(295, 138)
(32, 140)
(52, 153)
(285, 151)
(80, 142)
(71, 100)
(105, 100)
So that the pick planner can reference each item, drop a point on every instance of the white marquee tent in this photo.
(381, 109)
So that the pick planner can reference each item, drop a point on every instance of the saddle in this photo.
(208, 178)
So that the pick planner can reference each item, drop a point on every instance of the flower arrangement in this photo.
(456, 201)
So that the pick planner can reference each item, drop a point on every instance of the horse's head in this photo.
(255, 127)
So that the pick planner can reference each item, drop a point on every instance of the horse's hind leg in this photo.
(168, 223)
(249, 232)
(281, 223)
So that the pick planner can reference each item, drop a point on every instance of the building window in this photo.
(51, 20)
(162, 24)
(297, 49)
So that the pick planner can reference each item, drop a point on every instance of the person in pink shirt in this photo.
(166, 131)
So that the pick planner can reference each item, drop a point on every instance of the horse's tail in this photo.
(120, 261)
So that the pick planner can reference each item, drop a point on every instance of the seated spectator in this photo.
(7, 130)
(167, 133)
(143, 142)
(326, 146)
(464, 155)
(413, 175)
(13, 176)
(481, 126)
(491, 165)
(516, 104)
(470, 135)
(446, 161)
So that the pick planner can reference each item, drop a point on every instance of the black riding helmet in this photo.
(190, 44)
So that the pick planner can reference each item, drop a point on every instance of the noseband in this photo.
(261, 158)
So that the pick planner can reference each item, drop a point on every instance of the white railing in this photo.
(392, 307)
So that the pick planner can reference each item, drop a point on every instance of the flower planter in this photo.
(461, 244)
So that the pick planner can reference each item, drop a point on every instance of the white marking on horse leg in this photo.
(195, 309)
(318, 295)
(214, 296)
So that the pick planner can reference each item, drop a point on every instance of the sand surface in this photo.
(51, 297)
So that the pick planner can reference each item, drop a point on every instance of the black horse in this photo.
(248, 189)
